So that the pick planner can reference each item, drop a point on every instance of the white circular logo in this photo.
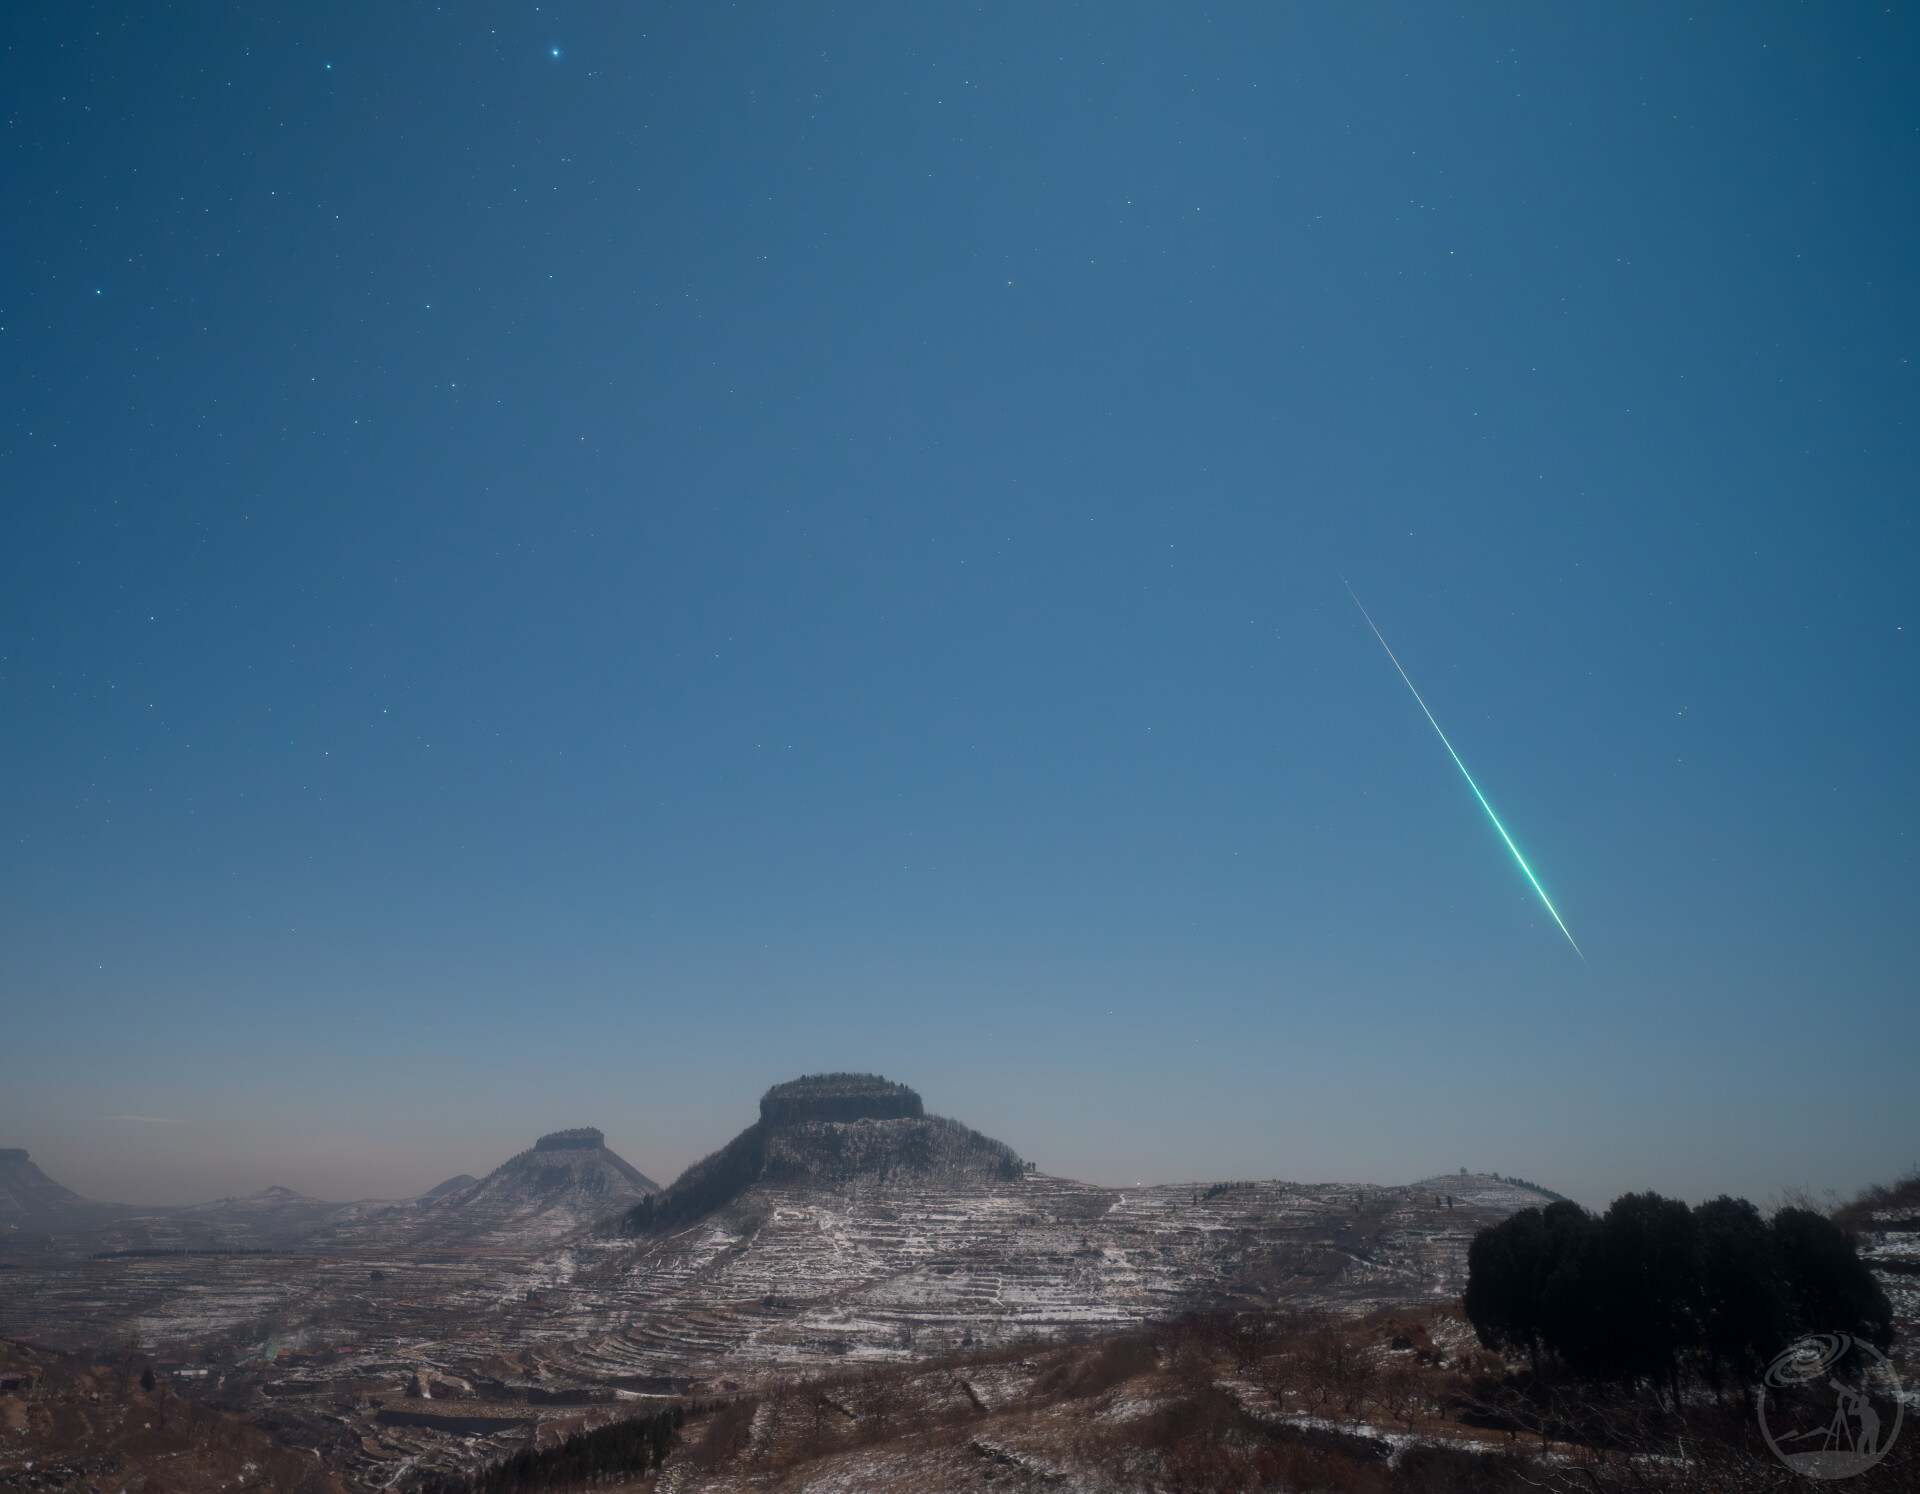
(1830, 1405)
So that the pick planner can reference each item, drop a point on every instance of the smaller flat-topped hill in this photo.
(564, 1180)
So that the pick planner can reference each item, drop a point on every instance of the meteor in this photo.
(1468, 776)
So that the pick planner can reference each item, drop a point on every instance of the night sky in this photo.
(560, 565)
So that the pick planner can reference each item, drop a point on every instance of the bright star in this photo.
(556, 51)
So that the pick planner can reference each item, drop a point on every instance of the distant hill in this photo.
(827, 1130)
(273, 1219)
(283, 1213)
(1488, 1190)
(565, 1180)
(452, 1185)
(32, 1201)
(41, 1215)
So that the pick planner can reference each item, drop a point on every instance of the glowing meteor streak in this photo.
(1468, 776)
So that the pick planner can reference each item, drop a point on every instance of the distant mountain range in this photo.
(565, 1180)
(844, 1226)
(819, 1134)
(844, 1220)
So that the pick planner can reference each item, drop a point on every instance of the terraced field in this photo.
(785, 1277)
(844, 1226)
(397, 1361)
(389, 1355)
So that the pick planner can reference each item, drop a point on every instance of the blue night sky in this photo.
(560, 565)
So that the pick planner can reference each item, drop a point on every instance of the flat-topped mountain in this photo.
(828, 1130)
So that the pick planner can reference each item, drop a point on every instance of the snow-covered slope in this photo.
(799, 1274)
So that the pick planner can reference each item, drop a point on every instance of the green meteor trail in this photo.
(1468, 776)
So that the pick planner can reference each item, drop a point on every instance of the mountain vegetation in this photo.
(838, 1097)
(625, 1450)
(1883, 1202)
(579, 1138)
(1534, 1188)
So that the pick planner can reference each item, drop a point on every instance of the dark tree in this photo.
(147, 1380)
(1829, 1288)
(1653, 1288)
(1567, 1287)
(1648, 1289)
(610, 1454)
(1743, 1301)
(1502, 1298)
